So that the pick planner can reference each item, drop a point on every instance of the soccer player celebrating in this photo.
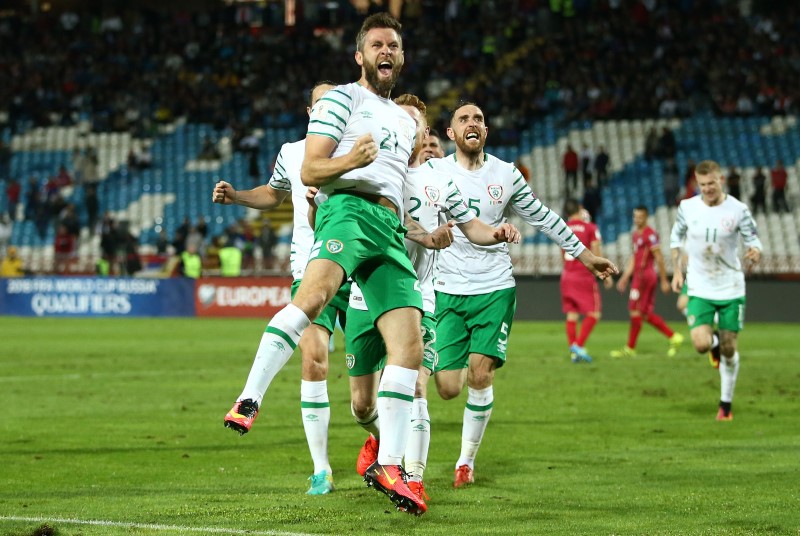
(580, 294)
(711, 223)
(427, 194)
(357, 150)
(475, 295)
(314, 403)
(640, 268)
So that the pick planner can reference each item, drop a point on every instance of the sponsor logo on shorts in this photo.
(690, 320)
(350, 360)
(334, 246)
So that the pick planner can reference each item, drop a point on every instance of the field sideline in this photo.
(114, 426)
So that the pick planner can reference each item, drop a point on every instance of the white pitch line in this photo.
(153, 526)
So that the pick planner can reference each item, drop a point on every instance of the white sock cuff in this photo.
(480, 397)
(399, 378)
(313, 390)
(291, 320)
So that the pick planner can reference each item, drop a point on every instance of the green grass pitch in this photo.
(119, 422)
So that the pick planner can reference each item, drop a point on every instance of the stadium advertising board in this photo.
(96, 296)
(250, 297)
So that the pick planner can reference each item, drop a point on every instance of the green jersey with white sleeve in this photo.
(492, 192)
(346, 113)
(712, 245)
(429, 193)
(286, 177)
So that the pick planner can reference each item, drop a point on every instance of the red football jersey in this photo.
(643, 243)
(586, 233)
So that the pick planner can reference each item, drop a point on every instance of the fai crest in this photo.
(350, 360)
(433, 193)
(495, 191)
(334, 246)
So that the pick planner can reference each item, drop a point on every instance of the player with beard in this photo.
(475, 294)
(428, 194)
(431, 147)
(357, 150)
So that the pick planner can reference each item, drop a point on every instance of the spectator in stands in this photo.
(162, 242)
(5, 160)
(62, 178)
(191, 263)
(601, 162)
(759, 198)
(778, 179)
(592, 200)
(89, 163)
(92, 205)
(33, 199)
(133, 262)
(671, 179)
(667, 146)
(266, 241)
(69, 219)
(12, 265)
(13, 193)
(6, 227)
(587, 158)
(209, 150)
(651, 144)
(102, 267)
(570, 163)
(230, 260)
(180, 235)
(64, 247)
(734, 180)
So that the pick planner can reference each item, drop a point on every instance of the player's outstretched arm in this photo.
(320, 169)
(263, 197)
(481, 233)
(599, 266)
(751, 258)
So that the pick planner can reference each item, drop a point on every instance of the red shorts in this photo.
(580, 295)
(643, 294)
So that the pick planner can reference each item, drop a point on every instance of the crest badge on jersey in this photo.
(728, 224)
(433, 193)
(496, 193)
(334, 246)
(319, 111)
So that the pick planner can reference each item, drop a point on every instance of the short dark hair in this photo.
(434, 132)
(315, 86)
(460, 105)
(571, 206)
(643, 208)
(377, 20)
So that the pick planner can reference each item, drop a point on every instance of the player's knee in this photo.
(363, 409)
(448, 391)
(727, 348)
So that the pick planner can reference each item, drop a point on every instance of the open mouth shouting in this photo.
(385, 68)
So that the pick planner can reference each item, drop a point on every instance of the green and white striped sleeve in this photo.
(536, 213)
(279, 179)
(455, 205)
(748, 230)
(679, 229)
(330, 114)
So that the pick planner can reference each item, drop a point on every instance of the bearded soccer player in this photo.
(711, 225)
(640, 269)
(475, 288)
(357, 150)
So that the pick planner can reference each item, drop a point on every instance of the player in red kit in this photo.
(580, 295)
(641, 268)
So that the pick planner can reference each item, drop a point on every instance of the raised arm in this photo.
(263, 197)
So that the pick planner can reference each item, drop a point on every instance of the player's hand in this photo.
(751, 258)
(311, 193)
(677, 282)
(442, 236)
(664, 286)
(364, 152)
(608, 282)
(599, 266)
(223, 193)
(507, 233)
(622, 284)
